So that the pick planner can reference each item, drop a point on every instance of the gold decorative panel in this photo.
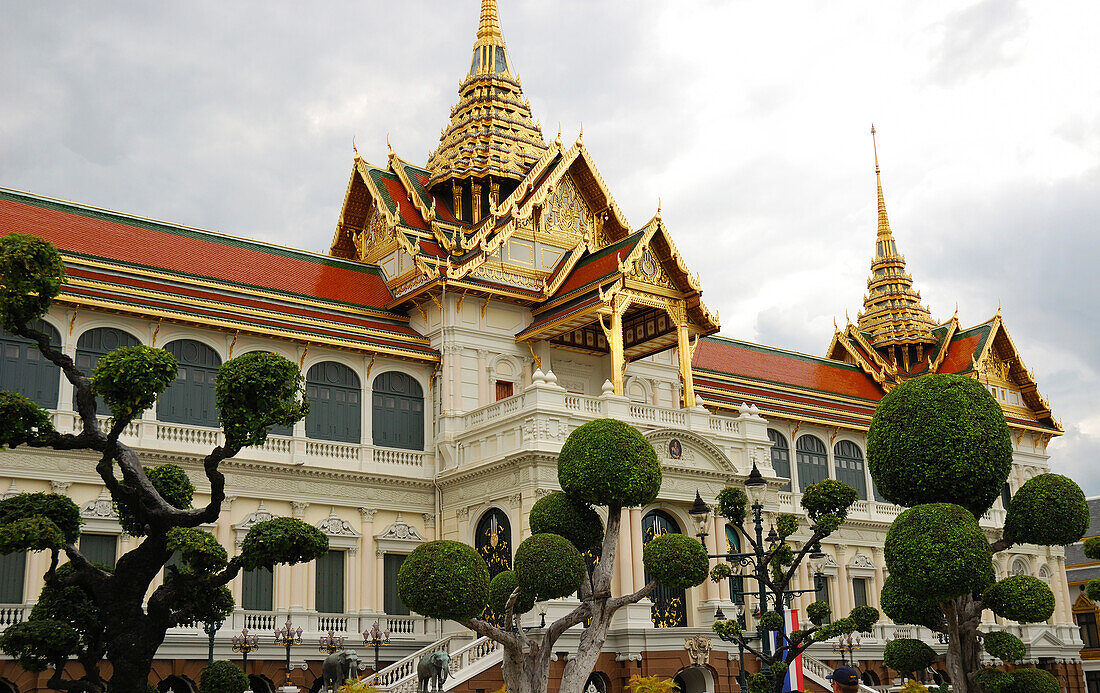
(567, 212)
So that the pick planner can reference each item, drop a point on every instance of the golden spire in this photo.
(892, 314)
(491, 132)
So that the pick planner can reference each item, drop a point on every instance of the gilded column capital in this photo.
(367, 514)
(299, 508)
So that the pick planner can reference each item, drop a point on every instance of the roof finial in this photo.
(354, 148)
(998, 307)
(956, 315)
(658, 215)
(874, 145)
(489, 26)
(557, 140)
(580, 135)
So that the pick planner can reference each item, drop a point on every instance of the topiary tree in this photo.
(826, 503)
(908, 656)
(940, 445)
(606, 463)
(88, 612)
(223, 677)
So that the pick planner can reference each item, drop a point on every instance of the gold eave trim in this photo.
(785, 388)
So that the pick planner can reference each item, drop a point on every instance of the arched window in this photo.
(781, 456)
(737, 583)
(813, 461)
(869, 678)
(849, 466)
(334, 403)
(669, 608)
(94, 344)
(493, 542)
(1020, 567)
(25, 370)
(397, 409)
(190, 399)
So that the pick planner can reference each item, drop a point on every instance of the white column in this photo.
(366, 556)
(844, 586)
(635, 529)
(380, 587)
(625, 559)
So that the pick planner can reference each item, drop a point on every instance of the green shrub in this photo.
(939, 438)
(675, 560)
(284, 540)
(608, 462)
(907, 655)
(173, 485)
(938, 551)
(21, 420)
(731, 505)
(1092, 590)
(444, 579)
(500, 591)
(828, 497)
(1022, 598)
(223, 677)
(1004, 646)
(1092, 548)
(70, 604)
(199, 550)
(1050, 510)
(1030, 680)
(818, 612)
(548, 566)
(60, 510)
(40, 643)
(786, 524)
(130, 378)
(30, 534)
(903, 607)
(31, 274)
(865, 617)
(194, 600)
(994, 680)
(557, 513)
(727, 630)
(771, 620)
(256, 391)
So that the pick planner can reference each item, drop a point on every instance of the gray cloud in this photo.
(977, 39)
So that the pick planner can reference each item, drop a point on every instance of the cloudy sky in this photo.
(749, 120)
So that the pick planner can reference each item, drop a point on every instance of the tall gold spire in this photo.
(491, 132)
(892, 316)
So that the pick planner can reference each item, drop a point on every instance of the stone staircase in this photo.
(468, 659)
(815, 670)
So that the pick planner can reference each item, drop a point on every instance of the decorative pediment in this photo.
(334, 526)
(677, 448)
(861, 560)
(261, 514)
(400, 537)
(101, 508)
(12, 491)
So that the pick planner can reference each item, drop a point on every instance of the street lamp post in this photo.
(376, 637)
(211, 629)
(756, 488)
(742, 680)
(245, 643)
(288, 637)
(845, 645)
(331, 643)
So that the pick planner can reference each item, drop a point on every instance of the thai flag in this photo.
(793, 681)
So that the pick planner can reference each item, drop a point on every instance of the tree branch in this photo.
(493, 633)
(577, 615)
(638, 596)
(82, 384)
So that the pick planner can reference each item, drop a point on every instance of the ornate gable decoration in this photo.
(400, 537)
(262, 514)
(861, 561)
(648, 269)
(333, 526)
(102, 508)
(567, 213)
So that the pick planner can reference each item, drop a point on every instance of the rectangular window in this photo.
(859, 591)
(822, 595)
(1092, 680)
(100, 549)
(330, 583)
(256, 589)
(1006, 495)
(394, 605)
(1087, 622)
(13, 566)
(504, 389)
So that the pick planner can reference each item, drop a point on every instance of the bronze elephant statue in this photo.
(337, 668)
(433, 668)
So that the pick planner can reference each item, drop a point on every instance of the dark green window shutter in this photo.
(394, 605)
(397, 411)
(13, 567)
(849, 466)
(25, 370)
(859, 591)
(256, 593)
(100, 549)
(93, 345)
(737, 582)
(191, 398)
(330, 583)
(781, 456)
(813, 461)
(335, 408)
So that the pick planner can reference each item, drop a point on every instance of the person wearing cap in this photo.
(845, 680)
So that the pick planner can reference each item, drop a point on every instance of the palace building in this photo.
(471, 313)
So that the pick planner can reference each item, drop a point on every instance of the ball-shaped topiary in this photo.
(818, 611)
(256, 391)
(30, 534)
(907, 655)
(1022, 598)
(444, 579)
(828, 497)
(130, 378)
(771, 620)
(939, 438)
(903, 607)
(557, 513)
(173, 485)
(675, 560)
(731, 505)
(281, 540)
(36, 644)
(1092, 590)
(1031, 680)
(1004, 646)
(865, 617)
(199, 551)
(548, 566)
(31, 273)
(1049, 509)
(1092, 548)
(608, 462)
(223, 677)
(500, 591)
(938, 551)
(21, 420)
(993, 680)
(58, 509)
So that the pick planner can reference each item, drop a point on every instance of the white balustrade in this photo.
(188, 435)
(280, 445)
(337, 451)
(414, 458)
(10, 615)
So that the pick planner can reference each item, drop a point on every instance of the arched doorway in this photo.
(176, 684)
(9, 687)
(870, 678)
(669, 608)
(260, 684)
(493, 542)
(597, 683)
(695, 679)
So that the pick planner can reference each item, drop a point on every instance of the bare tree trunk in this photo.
(581, 664)
(964, 657)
